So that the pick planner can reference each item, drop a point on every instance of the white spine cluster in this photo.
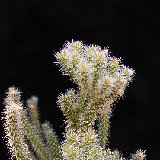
(13, 125)
(25, 139)
(102, 80)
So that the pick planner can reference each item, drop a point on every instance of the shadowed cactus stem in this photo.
(101, 80)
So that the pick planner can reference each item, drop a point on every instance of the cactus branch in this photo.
(101, 80)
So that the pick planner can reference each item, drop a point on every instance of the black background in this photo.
(32, 30)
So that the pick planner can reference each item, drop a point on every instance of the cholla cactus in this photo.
(101, 80)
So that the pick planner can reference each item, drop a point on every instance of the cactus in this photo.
(101, 80)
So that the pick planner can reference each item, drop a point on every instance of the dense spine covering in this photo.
(35, 139)
(52, 141)
(32, 105)
(101, 80)
(103, 125)
(24, 134)
(14, 128)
